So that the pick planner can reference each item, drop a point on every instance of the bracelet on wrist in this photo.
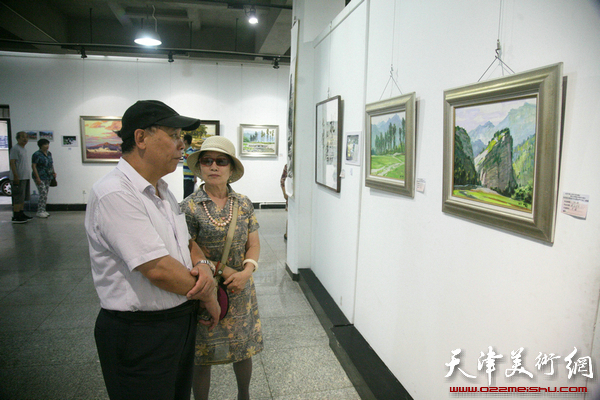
(251, 261)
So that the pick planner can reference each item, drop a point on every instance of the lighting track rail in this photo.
(133, 51)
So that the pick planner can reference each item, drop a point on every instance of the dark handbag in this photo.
(53, 182)
(222, 296)
(223, 299)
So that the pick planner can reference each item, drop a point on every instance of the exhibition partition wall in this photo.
(52, 92)
(432, 292)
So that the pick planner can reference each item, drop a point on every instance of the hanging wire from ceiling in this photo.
(498, 50)
(391, 78)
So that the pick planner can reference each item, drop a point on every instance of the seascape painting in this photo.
(100, 143)
(259, 140)
(388, 145)
(494, 153)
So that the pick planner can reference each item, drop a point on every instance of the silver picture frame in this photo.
(99, 140)
(259, 140)
(390, 145)
(518, 194)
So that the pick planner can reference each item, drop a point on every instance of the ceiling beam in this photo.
(23, 28)
(120, 14)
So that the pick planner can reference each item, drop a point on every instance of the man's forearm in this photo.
(169, 274)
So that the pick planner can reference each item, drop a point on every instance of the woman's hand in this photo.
(237, 281)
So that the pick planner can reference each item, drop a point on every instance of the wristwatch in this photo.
(209, 263)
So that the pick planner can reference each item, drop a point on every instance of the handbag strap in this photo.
(230, 233)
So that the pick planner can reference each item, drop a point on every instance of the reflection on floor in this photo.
(48, 307)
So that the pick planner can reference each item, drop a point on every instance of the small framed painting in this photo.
(352, 148)
(259, 140)
(390, 145)
(206, 129)
(329, 143)
(69, 141)
(501, 151)
(48, 135)
(99, 141)
(32, 136)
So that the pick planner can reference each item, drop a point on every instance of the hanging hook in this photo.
(388, 82)
(498, 57)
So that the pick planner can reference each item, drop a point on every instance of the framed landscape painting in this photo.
(32, 136)
(99, 142)
(259, 140)
(390, 145)
(501, 151)
(48, 135)
(329, 143)
(206, 129)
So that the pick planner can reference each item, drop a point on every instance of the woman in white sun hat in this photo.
(209, 212)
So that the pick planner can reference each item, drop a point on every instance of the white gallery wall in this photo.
(418, 283)
(50, 92)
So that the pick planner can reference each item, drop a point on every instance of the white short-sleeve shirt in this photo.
(128, 224)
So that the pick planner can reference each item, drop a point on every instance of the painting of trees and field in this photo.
(101, 141)
(259, 140)
(388, 145)
(204, 131)
(494, 153)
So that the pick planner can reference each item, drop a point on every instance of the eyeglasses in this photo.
(208, 161)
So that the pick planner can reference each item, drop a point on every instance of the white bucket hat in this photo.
(219, 144)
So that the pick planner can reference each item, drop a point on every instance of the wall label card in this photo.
(575, 204)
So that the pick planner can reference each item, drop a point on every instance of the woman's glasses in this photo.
(221, 161)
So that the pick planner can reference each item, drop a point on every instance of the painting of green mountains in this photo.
(494, 153)
(388, 145)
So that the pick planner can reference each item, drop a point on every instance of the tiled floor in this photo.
(48, 307)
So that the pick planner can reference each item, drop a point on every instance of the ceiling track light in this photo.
(251, 14)
(82, 52)
(276, 63)
(147, 37)
(171, 57)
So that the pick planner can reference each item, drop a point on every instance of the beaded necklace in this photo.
(224, 223)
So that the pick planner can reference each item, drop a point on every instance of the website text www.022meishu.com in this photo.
(517, 389)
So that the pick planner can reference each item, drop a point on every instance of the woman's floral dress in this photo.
(238, 336)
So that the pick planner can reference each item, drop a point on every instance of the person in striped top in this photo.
(189, 179)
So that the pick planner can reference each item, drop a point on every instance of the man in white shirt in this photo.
(146, 270)
(19, 176)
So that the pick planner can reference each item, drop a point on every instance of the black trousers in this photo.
(188, 187)
(147, 355)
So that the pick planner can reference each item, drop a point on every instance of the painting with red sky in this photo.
(99, 142)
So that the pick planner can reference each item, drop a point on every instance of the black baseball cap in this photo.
(146, 113)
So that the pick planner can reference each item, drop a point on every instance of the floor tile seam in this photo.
(264, 368)
(323, 346)
(61, 282)
(316, 323)
(48, 316)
